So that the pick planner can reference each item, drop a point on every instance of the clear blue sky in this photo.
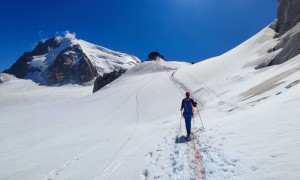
(189, 30)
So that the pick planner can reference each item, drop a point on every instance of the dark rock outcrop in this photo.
(68, 60)
(288, 28)
(102, 81)
(71, 65)
(153, 56)
(45, 47)
(288, 15)
(290, 47)
(20, 68)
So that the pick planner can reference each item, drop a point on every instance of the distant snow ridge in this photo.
(64, 60)
(6, 77)
(156, 66)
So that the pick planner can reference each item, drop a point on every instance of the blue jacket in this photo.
(186, 105)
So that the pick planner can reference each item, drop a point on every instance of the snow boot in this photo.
(188, 133)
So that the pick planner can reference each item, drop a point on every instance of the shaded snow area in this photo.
(132, 128)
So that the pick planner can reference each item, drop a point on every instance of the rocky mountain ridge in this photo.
(65, 60)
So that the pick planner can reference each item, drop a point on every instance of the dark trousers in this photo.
(188, 120)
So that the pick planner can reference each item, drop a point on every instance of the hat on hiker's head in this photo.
(187, 94)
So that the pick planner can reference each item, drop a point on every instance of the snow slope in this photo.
(105, 135)
(132, 128)
(106, 60)
(250, 114)
(6, 77)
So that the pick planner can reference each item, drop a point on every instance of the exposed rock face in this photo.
(20, 68)
(71, 65)
(155, 56)
(289, 45)
(105, 79)
(45, 47)
(288, 15)
(60, 61)
(288, 27)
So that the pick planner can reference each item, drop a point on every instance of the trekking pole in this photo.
(193, 117)
(180, 119)
(200, 118)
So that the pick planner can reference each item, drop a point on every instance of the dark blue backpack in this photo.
(188, 107)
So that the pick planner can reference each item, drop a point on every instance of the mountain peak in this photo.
(62, 60)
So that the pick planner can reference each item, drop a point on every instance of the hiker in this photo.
(188, 105)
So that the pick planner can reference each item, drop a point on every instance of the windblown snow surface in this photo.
(131, 128)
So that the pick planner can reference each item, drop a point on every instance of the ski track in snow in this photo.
(58, 170)
(137, 100)
(214, 164)
(115, 164)
(181, 163)
(180, 151)
(236, 144)
(202, 87)
(124, 157)
(208, 152)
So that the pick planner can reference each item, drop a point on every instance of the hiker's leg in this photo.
(188, 120)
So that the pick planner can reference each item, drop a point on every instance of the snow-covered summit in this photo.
(106, 60)
(63, 60)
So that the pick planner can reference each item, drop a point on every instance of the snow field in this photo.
(250, 116)
(131, 128)
(96, 136)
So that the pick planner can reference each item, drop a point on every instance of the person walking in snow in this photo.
(188, 105)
